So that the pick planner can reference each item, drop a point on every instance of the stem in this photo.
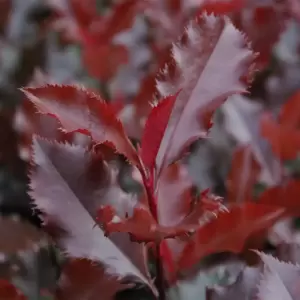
(159, 281)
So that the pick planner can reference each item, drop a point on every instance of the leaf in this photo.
(242, 176)
(262, 22)
(229, 231)
(280, 280)
(120, 18)
(285, 195)
(9, 292)
(210, 68)
(84, 279)
(79, 110)
(285, 141)
(68, 184)
(97, 64)
(174, 203)
(174, 195)
(154, 130)
(28, 122)
(141, 225)
(289, 114)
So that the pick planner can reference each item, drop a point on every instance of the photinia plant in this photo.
(106, 232)
(78, 143)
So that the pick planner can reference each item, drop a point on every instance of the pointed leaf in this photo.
(242, 176)
(68, 184)
(286, 196)
(229, 231)
(280, 280)
(154, 130)
(289, 115)
(80, 110)
(285, 141)
(84, 279)
(210, 68)
(97, 64)
(141, 225)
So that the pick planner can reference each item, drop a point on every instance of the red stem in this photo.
(159, 281)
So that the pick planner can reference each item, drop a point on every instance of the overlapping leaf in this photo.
(82, 111)
(285, 195)
(280, 280)
(68, 184)
(222, 7)
(85, 279)
(229, 231)
(141, 225)
(242, 176)
(289, 114)
(104, 69)
(242, 121)
(154, 130)
(210, 67)
(284, 140)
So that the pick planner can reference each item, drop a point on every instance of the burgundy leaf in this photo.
(221, 7)
(79, 110)
(229, 231)
(84, 279)
(68, 184)
(141, 225)
(210, 67)
(154, 130)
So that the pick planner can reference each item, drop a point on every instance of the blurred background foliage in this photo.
(34, 47)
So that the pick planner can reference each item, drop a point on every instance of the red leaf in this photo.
(68, 184)
(120, 17)
(141, 225)
(285, 141)
(102, 61)
(81, 111)
(84, 12)
(144, 228)
(286, 195)
(200, 65)
(262, 23)
(84, 279)
(242, 176)
(221, 7)
(289, 115)
(9, 292)
(229, 231)
(154, 130)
